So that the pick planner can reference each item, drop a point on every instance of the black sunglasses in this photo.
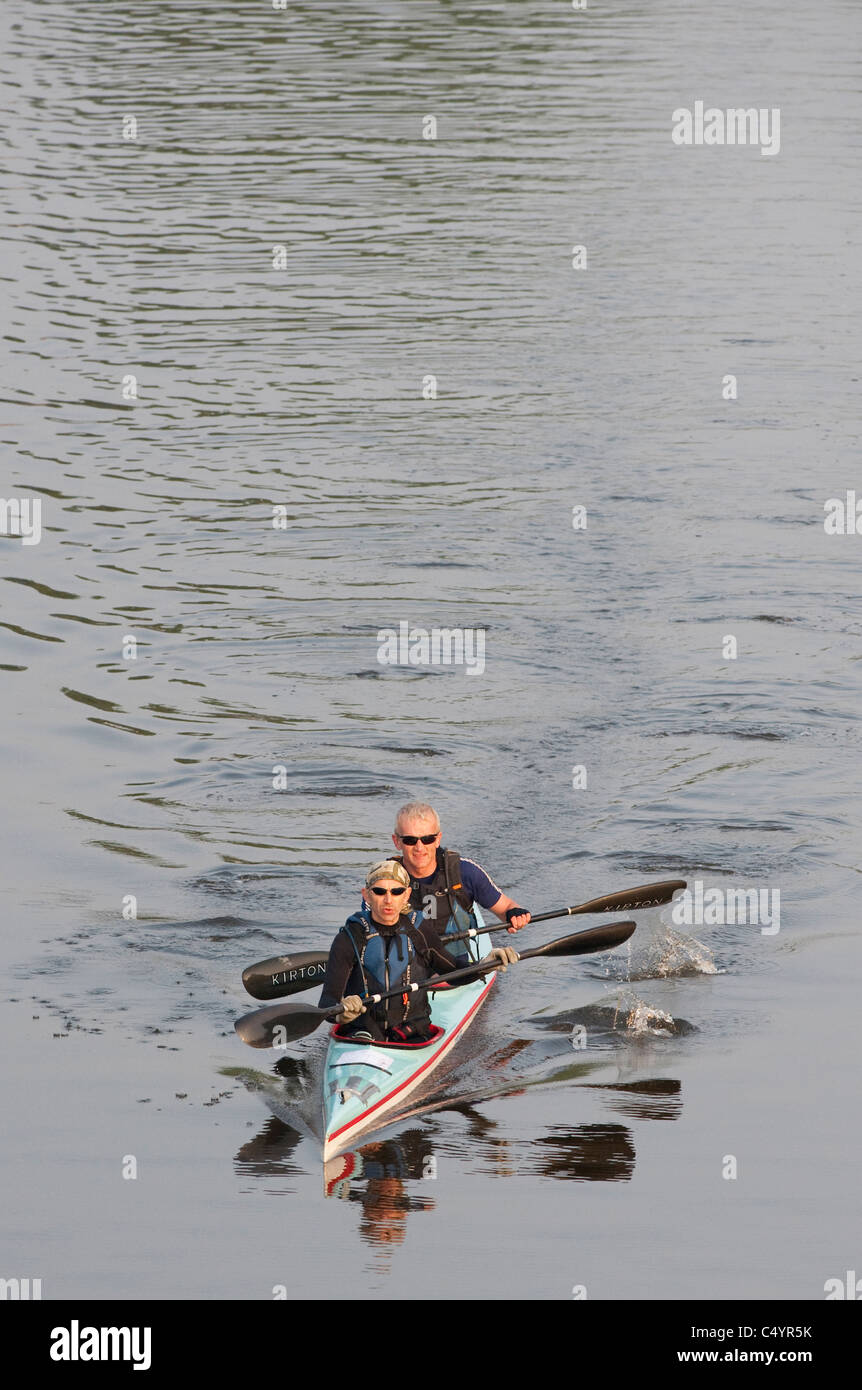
(414, 839)
(381, 892)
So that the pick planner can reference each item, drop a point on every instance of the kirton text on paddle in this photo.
(303, 972)
(717, 907)
(439, 646)
(735, 126)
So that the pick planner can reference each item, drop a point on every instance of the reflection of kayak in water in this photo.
(365, 1083)
(407, 1158)
(339, 1172)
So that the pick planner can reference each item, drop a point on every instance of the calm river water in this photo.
(320, 260)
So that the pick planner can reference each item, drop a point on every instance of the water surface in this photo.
(302, 388)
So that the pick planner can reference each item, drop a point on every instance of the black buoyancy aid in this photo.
(389, 960)
(443, 900)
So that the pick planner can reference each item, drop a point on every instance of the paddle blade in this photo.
(279, 1025)
(628, 899)
(282, 975)
(585, 942)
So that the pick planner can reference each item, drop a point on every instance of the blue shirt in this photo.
(482, 889)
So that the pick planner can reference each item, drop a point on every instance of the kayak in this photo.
(365, 1083)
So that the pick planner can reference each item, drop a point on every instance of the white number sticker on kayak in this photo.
(365, 1056)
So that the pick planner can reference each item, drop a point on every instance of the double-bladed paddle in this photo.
(282, 975)
(280, 1024)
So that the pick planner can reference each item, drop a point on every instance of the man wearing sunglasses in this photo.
(444, 885)
(385, 946)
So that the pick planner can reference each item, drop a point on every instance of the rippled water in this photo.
(301, 387)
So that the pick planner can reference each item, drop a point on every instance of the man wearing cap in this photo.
(384, 946)
(443, 884)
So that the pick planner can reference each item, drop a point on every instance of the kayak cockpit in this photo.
(434, 1035)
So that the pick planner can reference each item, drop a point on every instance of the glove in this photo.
(504, 954)
(351, 1007)
(514, 912)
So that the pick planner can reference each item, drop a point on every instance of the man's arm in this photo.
(339, 968)
(441, 962)
(484, 891)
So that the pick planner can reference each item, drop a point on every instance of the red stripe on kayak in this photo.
(447, 1042)
(350, 1164)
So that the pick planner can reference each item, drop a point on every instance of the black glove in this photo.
(515, 912)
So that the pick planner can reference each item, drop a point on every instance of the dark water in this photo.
(302, 388)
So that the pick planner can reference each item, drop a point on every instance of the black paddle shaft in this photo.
(281, 975)
(627, 900)
(605, 938)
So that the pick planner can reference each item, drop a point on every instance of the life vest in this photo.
(389, 961)
(444, 900)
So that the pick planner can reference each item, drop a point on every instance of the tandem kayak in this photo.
(365, 1084)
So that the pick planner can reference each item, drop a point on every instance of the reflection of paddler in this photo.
(384, 1212)
(376, 1177)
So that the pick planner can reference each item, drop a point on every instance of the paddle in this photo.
(627, 900)
(284, 1023)
(282, 975)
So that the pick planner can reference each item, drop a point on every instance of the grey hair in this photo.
(416, 810)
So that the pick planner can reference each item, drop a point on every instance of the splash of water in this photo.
(642, 1020)
(673, 955)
